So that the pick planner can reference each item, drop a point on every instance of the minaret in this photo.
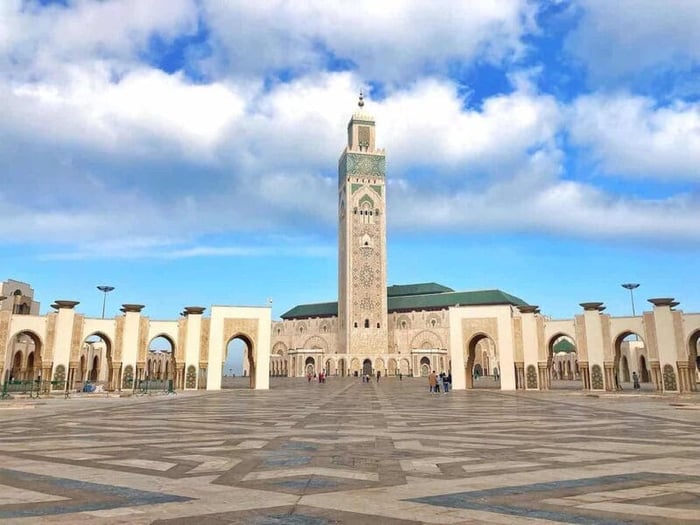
(362, 301)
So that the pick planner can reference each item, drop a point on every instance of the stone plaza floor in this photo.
(352, 453)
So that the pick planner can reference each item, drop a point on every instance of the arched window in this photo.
(378, 325)
(366, 323)
(355, 324)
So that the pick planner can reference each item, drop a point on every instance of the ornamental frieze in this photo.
(362, 164)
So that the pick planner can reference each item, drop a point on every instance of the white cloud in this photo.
(142, 110)
(430, 126)
(623, 37)
(630, 135)
(387, 41)
(34, 38)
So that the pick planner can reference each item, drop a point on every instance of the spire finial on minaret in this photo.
(361, 102)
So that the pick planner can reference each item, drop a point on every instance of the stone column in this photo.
(543, 376)
(594, 342)
(520, 375)
(667, 343)
(609, 367)
(130, 340)
(585, 373)
(532, 353)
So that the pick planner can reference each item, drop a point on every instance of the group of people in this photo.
(434, 382)
(321, 377)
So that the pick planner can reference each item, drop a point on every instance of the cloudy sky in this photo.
(185, 151)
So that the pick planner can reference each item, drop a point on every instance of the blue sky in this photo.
(185, 151)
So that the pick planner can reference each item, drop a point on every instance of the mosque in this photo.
(401, 330)
(411, 329)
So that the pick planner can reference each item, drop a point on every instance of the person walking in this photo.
(446, 382)
(635, 381)
(432, 381)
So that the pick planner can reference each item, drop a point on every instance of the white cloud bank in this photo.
(103, 147)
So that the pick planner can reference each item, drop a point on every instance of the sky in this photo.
(185, 151)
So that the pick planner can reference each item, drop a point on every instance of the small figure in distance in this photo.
(432, 381)
(635, 381)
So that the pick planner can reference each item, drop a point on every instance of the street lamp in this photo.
(631, 287)
(105, 290)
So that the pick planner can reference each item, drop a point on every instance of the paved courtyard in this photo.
(352, 453)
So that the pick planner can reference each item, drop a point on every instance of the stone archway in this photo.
(24, 357)
(627, 345)
(249, 364)
(472, 362)
(425, 367)
(694, 358)
(97, 351)
(367, 367)
(562, 363)
(310, 366)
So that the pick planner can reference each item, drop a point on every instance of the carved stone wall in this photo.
(581, 343)
(518, 338)
(143, 339)
(76, 337)
(4, 335)
(205, 330)
(650, 333)
(119, 338)
(47, 350)
(608, 350)
(244, 327)
(484, 325)
(181, 340)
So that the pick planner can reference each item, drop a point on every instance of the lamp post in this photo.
(105, 290)
(631, 287)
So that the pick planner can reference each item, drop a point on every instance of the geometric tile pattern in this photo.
(352, 452)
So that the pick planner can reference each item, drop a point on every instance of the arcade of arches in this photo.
(516, 346)
(65, 350)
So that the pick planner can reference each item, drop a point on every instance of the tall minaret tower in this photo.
(362, 302)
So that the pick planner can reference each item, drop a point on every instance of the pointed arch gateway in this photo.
(96, 348)
(562, 363)
(249, 364)
(629, 348)
(23, 357)
(474, 350)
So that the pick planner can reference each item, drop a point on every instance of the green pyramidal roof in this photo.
(416, 289)
(422, 296)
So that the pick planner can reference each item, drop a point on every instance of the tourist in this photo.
(635, 381)
(379, 374)
(432, 381)
(445, 383)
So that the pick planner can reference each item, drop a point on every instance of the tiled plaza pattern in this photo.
(352, 453)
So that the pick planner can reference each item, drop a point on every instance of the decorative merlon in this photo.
(663, 301)
(65, 305)
(132, 308)
(592, 306)
(529, 309)
(193, 310)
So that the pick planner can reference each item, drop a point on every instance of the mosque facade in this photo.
(396, 331)
(410, 330)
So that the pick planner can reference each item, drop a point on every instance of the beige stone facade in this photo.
(68, 349)
(470, 334)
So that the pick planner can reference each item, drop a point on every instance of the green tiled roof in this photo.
(433, 300)
(304, 311)
(416, 289)
(444, 300)
(564, 345)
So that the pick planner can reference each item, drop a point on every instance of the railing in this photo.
(150, 386)
(31, 387)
